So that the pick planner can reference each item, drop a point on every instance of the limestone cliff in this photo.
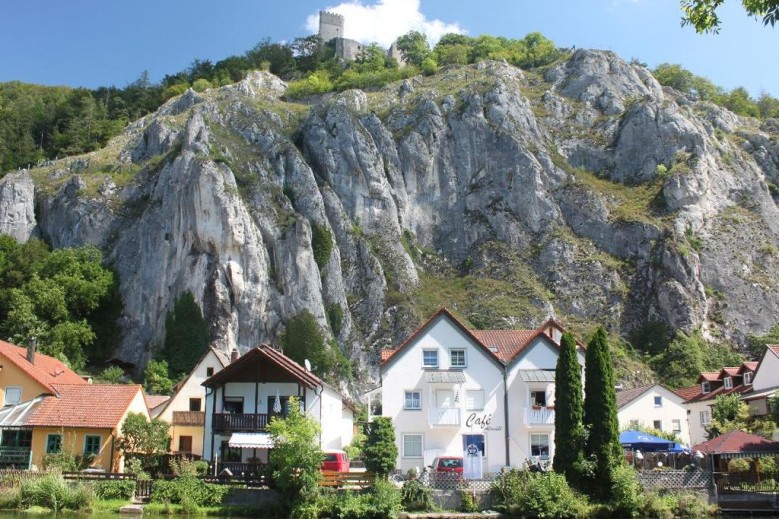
(587, 191)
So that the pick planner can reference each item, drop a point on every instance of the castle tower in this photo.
(331, 26)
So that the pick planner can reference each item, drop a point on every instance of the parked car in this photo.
(336, 460)
(446, 469)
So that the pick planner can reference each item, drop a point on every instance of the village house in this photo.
(487, 395)
(653, 406)
(243, 398)
(185, 410)
(764, 380)
(49, 409)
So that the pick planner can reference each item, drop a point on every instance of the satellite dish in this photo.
(307, 364)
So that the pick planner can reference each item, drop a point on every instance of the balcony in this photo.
(192, 418)
(538, 415)
(444, 416)
(226, 422)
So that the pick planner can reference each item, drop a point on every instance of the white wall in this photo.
(767, 375)
(697, 430)
(644, 411)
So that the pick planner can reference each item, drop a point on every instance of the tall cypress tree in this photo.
(600, 416)
(568, 428)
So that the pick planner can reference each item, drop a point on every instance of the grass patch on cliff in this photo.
(635, 203)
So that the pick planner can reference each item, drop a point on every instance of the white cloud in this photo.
(384, 21)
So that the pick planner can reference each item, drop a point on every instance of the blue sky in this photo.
(97, 42)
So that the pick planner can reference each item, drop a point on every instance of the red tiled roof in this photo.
(508, 343)
(689, 393)
(386, 354)
(85, 405)
(153, 401)
(730, 371)
(628, 395)
(45, 370)
(750, 365)
(737, 441)
(774, 348)
(709, 376)
(721, 391)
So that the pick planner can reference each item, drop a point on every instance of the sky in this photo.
(93, 43)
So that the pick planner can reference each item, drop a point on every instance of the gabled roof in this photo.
(626, 396)
(720, 391)
(737, 442)
(99, 406)
(730, 371)
(265, 353)
(45, 370)
(750, 365)
(709, 376)
(774, 349)
(442, 312)
(223, 359)
(689, 393)
(153, 401)
(501, 345)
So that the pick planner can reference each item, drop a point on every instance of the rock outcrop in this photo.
(592, 193)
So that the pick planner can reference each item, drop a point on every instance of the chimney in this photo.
(234, 354)
(31, 346)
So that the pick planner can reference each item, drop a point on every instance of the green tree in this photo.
(569, 431)
(414, 48)
(112, 374)
(156, 378)
(681, 363)
(702, 14)
(380, 450)
(600, 416)
(186, 335)
(729, 413)
(143, 436)
(296, 457)
(304, 339)
(756, 344)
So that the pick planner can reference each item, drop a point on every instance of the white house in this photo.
(653, 406)
(185, 410)
(487, 393)
(765, 381)
(243, 397)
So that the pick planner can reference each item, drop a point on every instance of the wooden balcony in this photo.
(228, 422)
(538, 415)
(194, 418)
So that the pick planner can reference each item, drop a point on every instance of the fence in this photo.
(737, 483)
(675, 479)
(13, 478)
(346, 479)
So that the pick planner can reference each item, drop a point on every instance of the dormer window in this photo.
(747, 378)
(728, 383)
(705, 388)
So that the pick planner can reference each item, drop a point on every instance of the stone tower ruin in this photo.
(331, 26)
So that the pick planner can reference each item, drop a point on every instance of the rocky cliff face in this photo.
(588, 192)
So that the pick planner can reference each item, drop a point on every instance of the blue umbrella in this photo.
(639, 440)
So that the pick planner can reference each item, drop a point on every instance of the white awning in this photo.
(251, 441)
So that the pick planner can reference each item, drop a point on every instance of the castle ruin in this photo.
(331, 28)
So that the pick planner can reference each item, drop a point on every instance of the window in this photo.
(457, 358)
(53, 443)
(658, 401)
(705, 388)
(13, 395)
(747, 378)
(430, 358)
(412, 445)
(728, 383)
(92, 444)
(209, 372)
(705, 417)
(634, 424)
(283, 404)
(185, 443)
(474, 399)
(658, 424)
(539, 445)
(538, 398)
(233, 404)
(230, 453)
(194, 404)
(677, 426)
(413, 400)
(20, 438)
(473, 440)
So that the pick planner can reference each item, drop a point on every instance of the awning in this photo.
(536, 375)
(444, 377)
(251, 441)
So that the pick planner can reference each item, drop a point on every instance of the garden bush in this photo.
(383, 501)
(115, 489)
(549, 496)
(415, 496)
(54, 493)
(184, 489)
(628, 495)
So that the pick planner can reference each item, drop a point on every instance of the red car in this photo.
(443, 464)
(337, 461)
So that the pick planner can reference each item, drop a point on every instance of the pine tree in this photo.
(380, 449)
(569, 431)
(600, 416)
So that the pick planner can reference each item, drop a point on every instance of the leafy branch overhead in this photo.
(702, 14)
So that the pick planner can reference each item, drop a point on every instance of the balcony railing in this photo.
(445, 416)
(17, 457)
(189, 418)
(240, 422)
(539, 415)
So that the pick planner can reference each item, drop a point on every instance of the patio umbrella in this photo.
(277, 403)
(646, 442)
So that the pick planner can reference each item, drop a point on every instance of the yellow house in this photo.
(185, 410)
(84, 420)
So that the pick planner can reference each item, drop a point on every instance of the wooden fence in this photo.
(346, 479)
